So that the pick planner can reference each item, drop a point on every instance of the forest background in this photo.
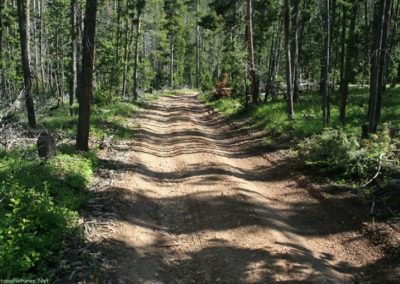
(319, 76)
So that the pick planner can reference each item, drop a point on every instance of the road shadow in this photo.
(203, 173)
(219, 261)
(211, 131)
(229, 264)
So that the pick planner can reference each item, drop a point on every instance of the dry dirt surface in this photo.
(195, 200)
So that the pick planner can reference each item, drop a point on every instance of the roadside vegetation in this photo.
(338, 152)
(40, 200)
(77, 69)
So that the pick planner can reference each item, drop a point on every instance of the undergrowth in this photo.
(340, 154)
(39, 205)
(337, 152)
(40, 200)
(105, 120)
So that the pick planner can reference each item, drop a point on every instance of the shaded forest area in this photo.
(319, 77)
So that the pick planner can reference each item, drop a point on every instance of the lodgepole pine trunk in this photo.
(85, 83)
(250, 55)
(289, 73)
(24, 23)
(381, 31)
(136, 56)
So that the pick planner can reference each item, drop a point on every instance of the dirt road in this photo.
(197, 201)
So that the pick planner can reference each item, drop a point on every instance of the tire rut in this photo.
(199, 206)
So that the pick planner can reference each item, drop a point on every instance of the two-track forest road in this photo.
(196, 201)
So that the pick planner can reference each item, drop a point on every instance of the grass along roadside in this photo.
(40, 201)
(336, 153)
(39, 206)
(308, 118)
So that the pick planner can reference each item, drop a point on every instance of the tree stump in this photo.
(46, 145)
(365, 130)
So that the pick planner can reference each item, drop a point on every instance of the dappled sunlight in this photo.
(196, 201)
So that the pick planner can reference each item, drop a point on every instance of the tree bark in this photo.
(380, 45)
(73, 65)
(295, 50)
(270, 76)
(393, 39)
(289, 73)
(250, 55)
(114, 74)
(348, 73)
(85, 84)
(41, 44)
(171, 66)
(136, 56)
(128, 39)
(367, 42)
(197, 46)
(325, 66)
(2, 84)
(24, 22)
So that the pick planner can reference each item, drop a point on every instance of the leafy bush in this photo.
(38, 208)
(206, 82)
(32, 230)
(341, 154)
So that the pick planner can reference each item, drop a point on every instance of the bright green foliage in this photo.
(271, 116)
(39, 201)
(32, 230)
(340, 154)
(111, 120)
(106, 119)
(146, 73)
(38, 209)
(206, 82)
(65, 176)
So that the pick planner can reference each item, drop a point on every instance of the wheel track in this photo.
(219, 216)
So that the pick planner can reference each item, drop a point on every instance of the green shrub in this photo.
(66, 175)
(336, 153)
(32, 230)
(38, 208)
(206, 82)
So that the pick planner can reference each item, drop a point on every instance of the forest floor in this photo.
(193, 199)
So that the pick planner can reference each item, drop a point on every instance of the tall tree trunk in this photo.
(276, 65)
(393, 39)
(41, 44)
(325, 66)
(250, 54)
(367, 42)
(136, 56)
(343, 98)
(114, 74)
(171, 66)
(348, 72)
(24, 19)
(197, 46)
(289, 73)
(60, 70)
(2, 83)
(270, 77)
(73, 64)
(295, 50)
(128, 29)
(35, 63)
(380, 45)
(118, 35)
(85, 84)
